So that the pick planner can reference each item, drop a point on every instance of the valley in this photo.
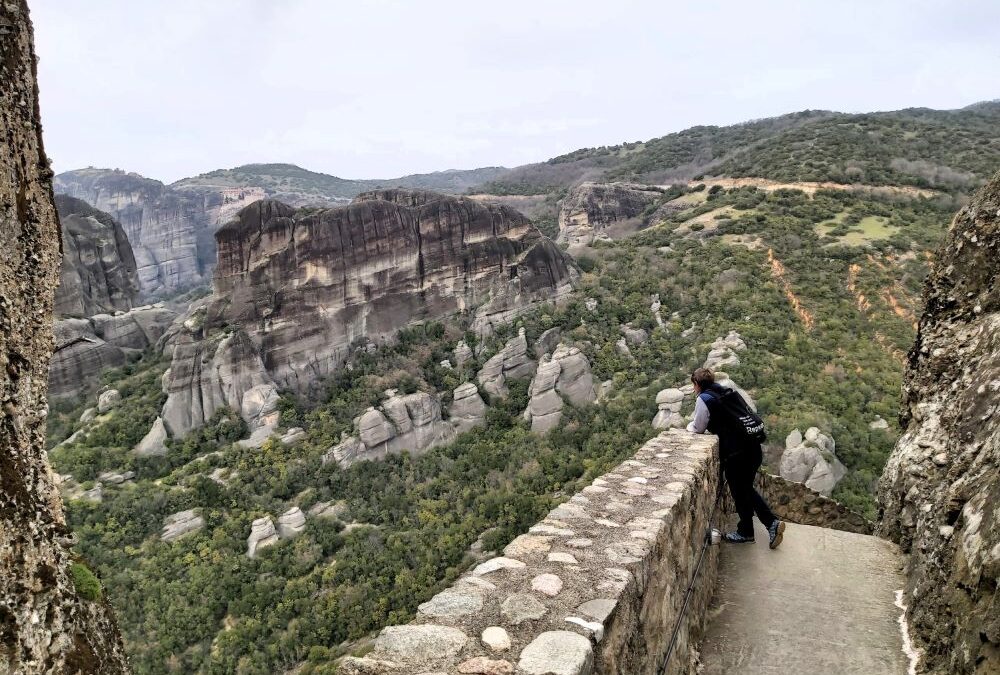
(384, 387)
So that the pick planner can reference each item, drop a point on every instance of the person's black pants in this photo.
(740, 468)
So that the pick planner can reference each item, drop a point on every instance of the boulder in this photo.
(547, 342)
(181, 524)
(567, 374)
(154, 442)
(293, 436)
(262, 535)
(576, 382)
(462, 353)
(467, 409)
(291, 523)
(634, 336)
(88, 415)
(108, 400)
(491, 378)
(812, 461)
(668, 415)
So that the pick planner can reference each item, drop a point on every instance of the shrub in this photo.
(86, 583)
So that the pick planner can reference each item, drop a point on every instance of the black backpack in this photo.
(737, 417)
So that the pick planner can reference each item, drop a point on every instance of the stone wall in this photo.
(595, 587)
(46, 626)
(797, 503)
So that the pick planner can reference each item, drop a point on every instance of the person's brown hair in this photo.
(703, 377)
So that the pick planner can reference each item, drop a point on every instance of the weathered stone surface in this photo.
(510, 362)
(463, 354)
(557, 653)
(170, 231)
(668, 415)
(944, 514)
(495, 564)
(485, 666)
(262, 535)
(154, 442)
(812, 461)
(108, 400)
(98, 269)
(521, 607)
(84, 348)
(46, 626)
(634, 336)
(180, 524)
(453, 602)
(547, 584)
(547, 342)
(796, 503)
(410, 645)
(467, 409)
(567, 374)
(496, 638)
(602, 211)
(723, 351)
(291, 523)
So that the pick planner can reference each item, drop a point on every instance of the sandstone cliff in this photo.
(98, 268)
(603, 210)
(46, 627)
(305, 285)
(170, 231)
(940, 492)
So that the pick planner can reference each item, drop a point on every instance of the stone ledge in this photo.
(797, 503)
(595, 587)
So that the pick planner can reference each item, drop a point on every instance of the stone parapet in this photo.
(598, 586)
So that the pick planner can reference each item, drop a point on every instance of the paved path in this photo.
(823, 603)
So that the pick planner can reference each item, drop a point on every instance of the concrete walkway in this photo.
(823, 603)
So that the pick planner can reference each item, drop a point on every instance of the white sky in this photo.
(367, 89)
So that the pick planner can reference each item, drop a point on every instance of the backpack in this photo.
(736, 416)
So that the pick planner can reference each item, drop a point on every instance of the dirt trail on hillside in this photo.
(778, 272)
(811, 188)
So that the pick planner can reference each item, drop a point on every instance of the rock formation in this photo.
(153, 443)
(262, 535)
(939, 493)
(402, 423)
(170, 231)
(303, 286)
(180, 524)
(467, 409)
(603, 211)
(811, 460)
(723, 351)
(511, 362)
(84, 348)
(98, 269)
(291, 523)
(207, 375)
(567, 374)
(47, 627)
(668, 415)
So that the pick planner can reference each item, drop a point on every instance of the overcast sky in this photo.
(379, 89)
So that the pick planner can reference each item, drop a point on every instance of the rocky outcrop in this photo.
(46, 626)
(467, 409)
(566, 374)
(207, 375)
(262, 535)
(511, 362)
(811, 460)
(98, 273)
(170, 231)
(402, 423)
(306, 284)
(154, 442)
(84, 348)
(668, 414)
(291, 523)
(723, 351)
(603, 211)
(939, 493)
(181, 524)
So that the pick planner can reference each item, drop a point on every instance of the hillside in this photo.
(952, 150)
(298, 186)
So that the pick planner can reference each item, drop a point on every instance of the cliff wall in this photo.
(939, 496)
(46, 626)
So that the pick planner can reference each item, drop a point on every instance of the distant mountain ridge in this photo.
(302, 187)
(951, 150)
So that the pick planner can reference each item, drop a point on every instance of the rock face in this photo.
(170, 231)
(939, 493)
(811, 460)
(262, 535)
(180, 524)
(153, 443)
(291, 523)
(308, 284)
(566, 374)
(603, 211)
(47, 627)
(98, 269)
(207, 375)
(412, 423)
(511, 362)
(467, 409)
(84, 348)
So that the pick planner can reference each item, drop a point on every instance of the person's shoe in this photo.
(776, 533)
(737, 538)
